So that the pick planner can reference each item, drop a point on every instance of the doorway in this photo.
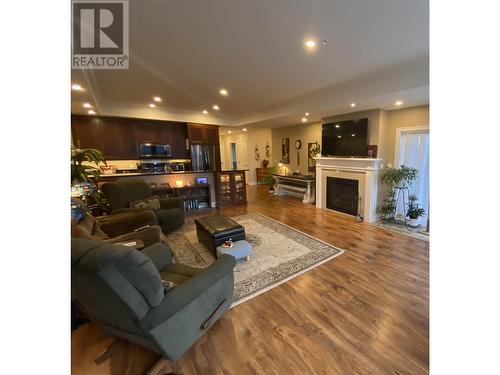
(412, 150)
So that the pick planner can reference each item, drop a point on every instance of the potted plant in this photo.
(84, 178)
(81, 172)
(269, 179)
(397, 179)
(414, 212)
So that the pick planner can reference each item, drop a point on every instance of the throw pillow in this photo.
(152, 203)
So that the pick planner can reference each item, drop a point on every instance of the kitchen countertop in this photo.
(132, 174)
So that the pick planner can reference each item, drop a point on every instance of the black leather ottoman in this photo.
(213, 230)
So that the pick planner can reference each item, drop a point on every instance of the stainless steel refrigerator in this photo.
(205, 158)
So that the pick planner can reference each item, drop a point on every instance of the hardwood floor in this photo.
(364, 312)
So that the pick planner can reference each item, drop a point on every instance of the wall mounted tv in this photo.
(345, 138)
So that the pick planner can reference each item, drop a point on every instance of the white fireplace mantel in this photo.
(362, 169)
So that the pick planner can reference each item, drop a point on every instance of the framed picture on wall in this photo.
(285, 150)
(311, 163)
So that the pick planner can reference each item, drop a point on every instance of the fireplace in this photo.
(342, 194)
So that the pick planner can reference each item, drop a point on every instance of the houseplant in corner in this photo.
(414, 212)
(84, 178)
(399, 180)
(269, 179)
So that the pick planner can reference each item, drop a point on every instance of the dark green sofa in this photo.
(120, 193)
(121, 289)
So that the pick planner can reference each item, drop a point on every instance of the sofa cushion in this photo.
(170, 219)
(152, 203)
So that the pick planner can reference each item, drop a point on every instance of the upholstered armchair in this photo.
(122, 193)
(123, 227)
(121, 290)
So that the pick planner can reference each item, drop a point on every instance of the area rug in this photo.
(279, 253)
(417, 232)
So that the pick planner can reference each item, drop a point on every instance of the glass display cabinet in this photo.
(230, 187)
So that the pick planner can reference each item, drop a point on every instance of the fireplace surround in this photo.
(362, 170)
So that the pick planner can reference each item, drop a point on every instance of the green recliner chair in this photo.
(119, 194)
(121, 290)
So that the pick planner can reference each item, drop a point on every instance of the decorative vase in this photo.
(412, 222)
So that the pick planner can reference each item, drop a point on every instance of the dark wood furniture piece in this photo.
(214, 230)
(260, 173)
(192, 195)
(230, 187)
(119, 137)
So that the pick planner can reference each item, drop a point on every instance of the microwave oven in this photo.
(154, 151)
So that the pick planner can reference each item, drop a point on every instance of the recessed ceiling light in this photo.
(205, 112)
(229, 131)
(353, 135)
(304, 119)
(215, 107)
(310, 44)
(399, 102)
(337, 126)
(353, 105)
(339, 136)
(76, 87)
(91, 112)
(307, 113)
(152, 105)
(157, 99)
(244, 129)
(87, 105)
(223, 92)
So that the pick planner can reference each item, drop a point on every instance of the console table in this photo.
(298, 186)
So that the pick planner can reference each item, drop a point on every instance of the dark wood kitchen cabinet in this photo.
(112, 136)
(203, 134)
(119, 138)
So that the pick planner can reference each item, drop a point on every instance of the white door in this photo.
(412, 150)
(242, 153)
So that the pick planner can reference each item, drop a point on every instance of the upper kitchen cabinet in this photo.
(119, 138)
(112, 136)
(203, 134)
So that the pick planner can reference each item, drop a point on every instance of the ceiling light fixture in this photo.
(339, 136)
(353, 135)
(157, 99)
(76, 87)
(223, 92)
(353, 105)
(304, 119)
(87, 105)
(244, 129)
(307, 113)
(229, 131)
(91, 112)
(310, 44)
(399, 102)
(337, 126)
(205, 112)
(215, 107)
(152, 105)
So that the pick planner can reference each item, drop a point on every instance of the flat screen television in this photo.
(345, 138)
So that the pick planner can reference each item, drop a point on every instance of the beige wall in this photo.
(402, 118)
(257, 137)
(308, 133)
(382, 127)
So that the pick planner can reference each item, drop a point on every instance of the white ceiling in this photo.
(185, 51)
